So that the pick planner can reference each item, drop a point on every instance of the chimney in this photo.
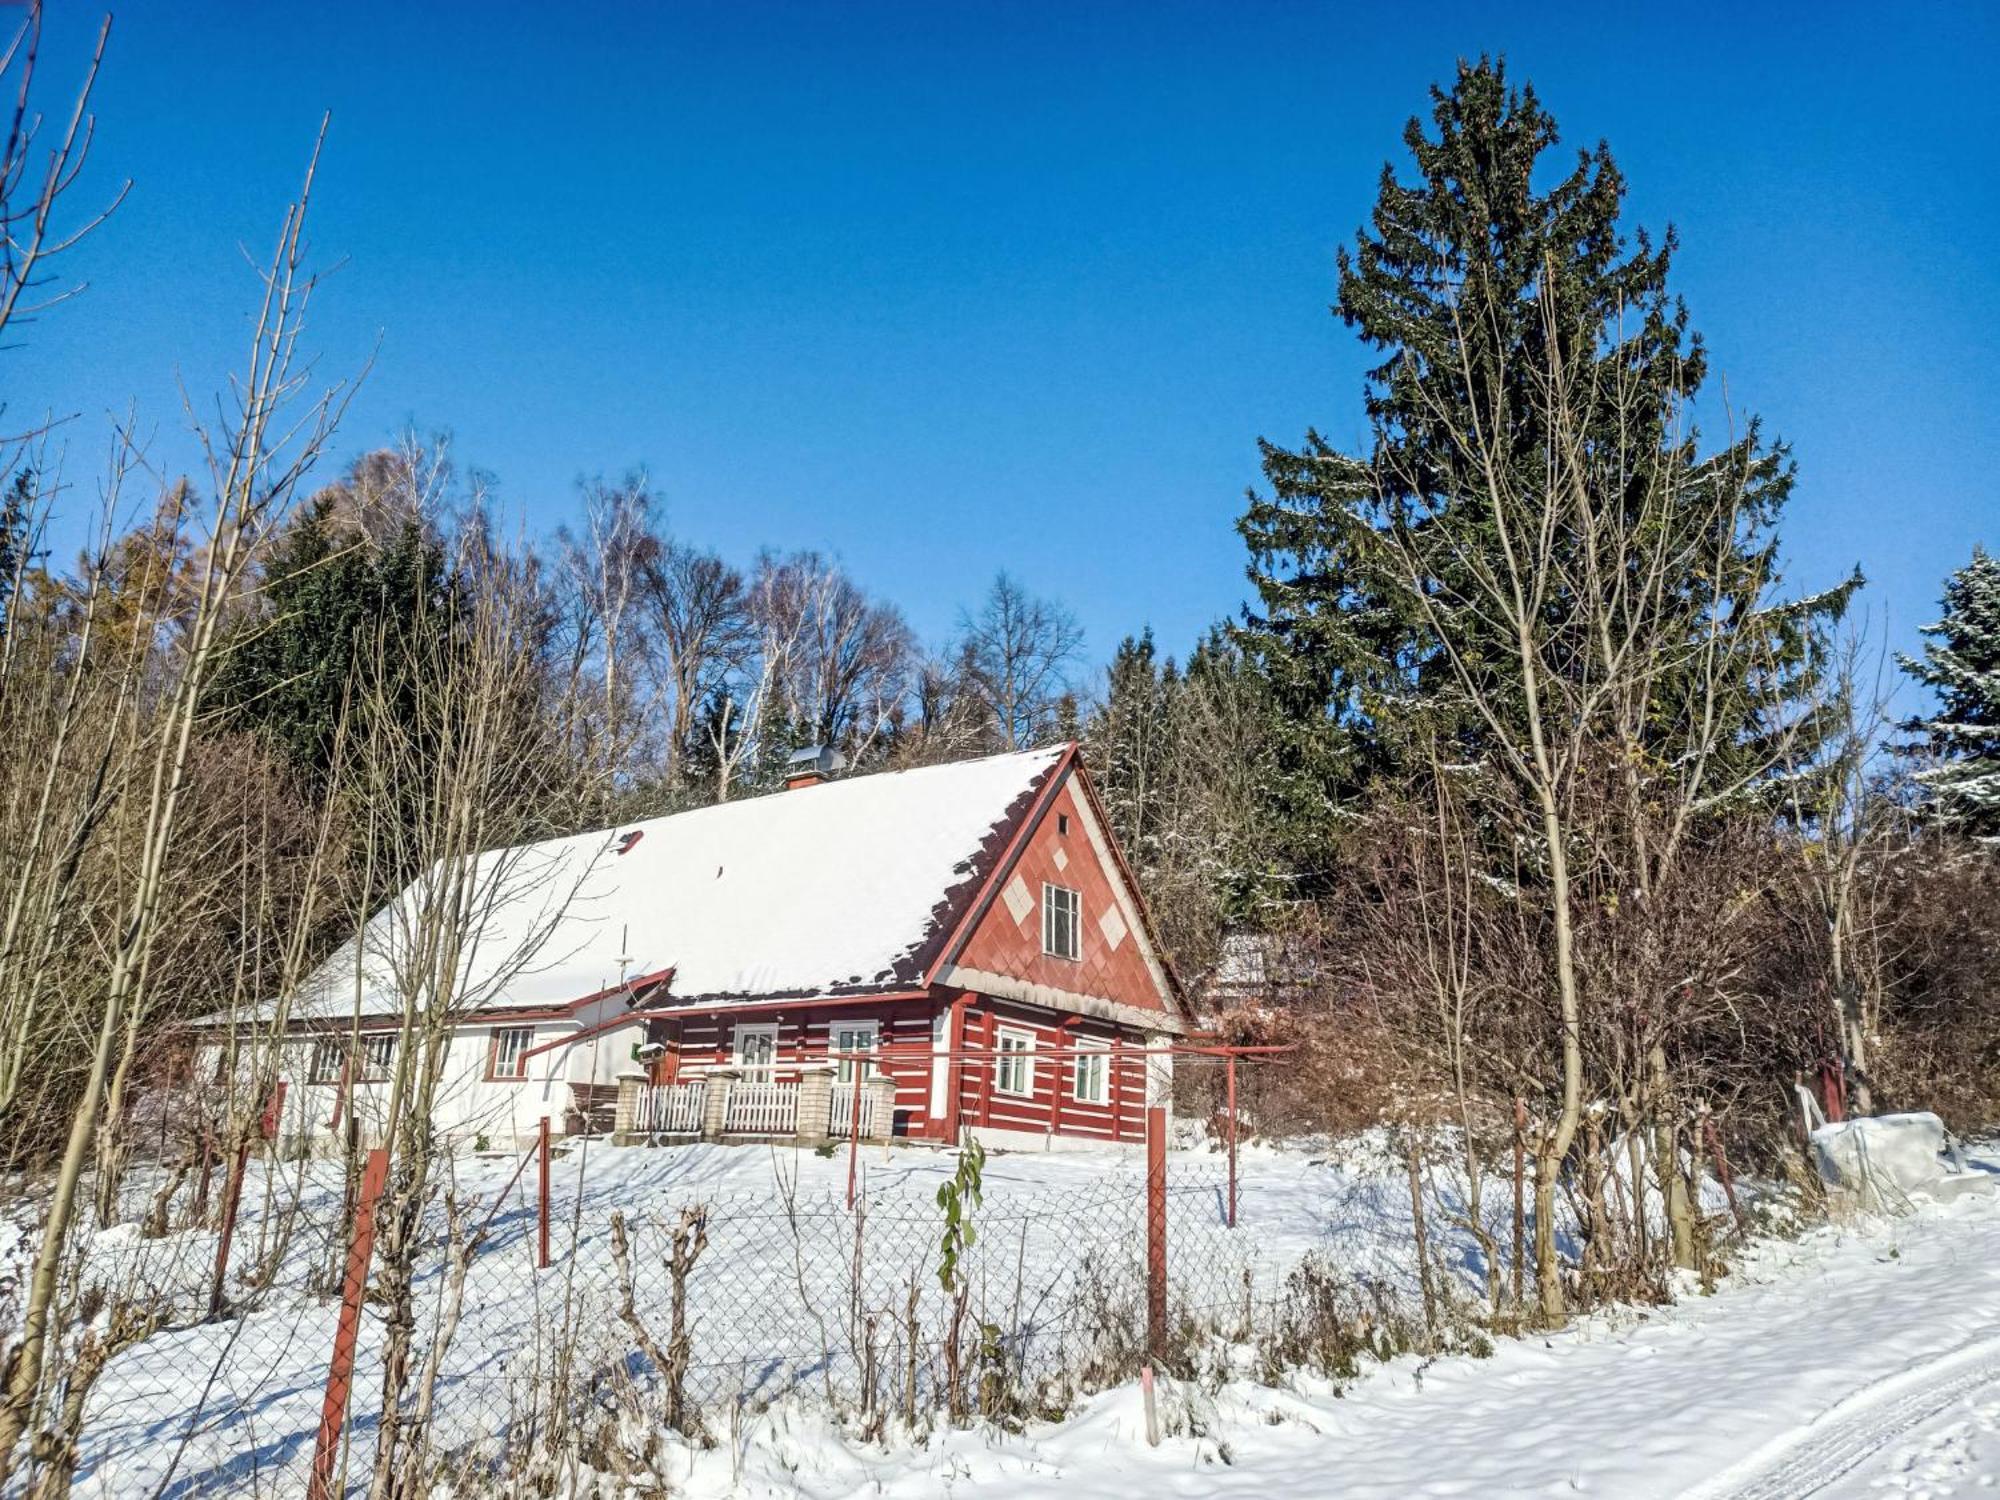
(812, 766)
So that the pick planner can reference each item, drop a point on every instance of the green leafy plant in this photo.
(957, 1196)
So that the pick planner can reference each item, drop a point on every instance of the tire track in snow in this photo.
(1857, 1427)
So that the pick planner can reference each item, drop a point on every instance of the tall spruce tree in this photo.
(1961, 664)
(1130, 743)
(1178, 756)
(1472, 282)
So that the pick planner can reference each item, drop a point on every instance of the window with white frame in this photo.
(508, 1060)
(1014, 1073)
(327, 1053)
(1090, 1073)
(850, 1037)
(378, 1056)
(1062, 921)
(756, 1053)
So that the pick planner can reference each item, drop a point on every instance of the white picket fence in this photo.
(752, 1107)
(670, 1109)
(761, 1109)
(840, 1114)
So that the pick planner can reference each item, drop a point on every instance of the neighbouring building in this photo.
(919, 953)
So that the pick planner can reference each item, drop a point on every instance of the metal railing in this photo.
(758, 1108)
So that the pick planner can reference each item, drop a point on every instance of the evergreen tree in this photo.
(1129, 744)
(1179, 758)
(333, 605)
(1961, 664)
(779, 736)
(1471, 281)
(16, 508)
(699, 763)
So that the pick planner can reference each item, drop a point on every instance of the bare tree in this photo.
(37, 172)
(944, 721)
(704, 637)
(1843, 823)
(1018, 650)
(452, 791)
(609, 570)
(1557, 594)
(258, 452)
(845, 662)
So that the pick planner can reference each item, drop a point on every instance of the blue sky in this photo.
(947, 288)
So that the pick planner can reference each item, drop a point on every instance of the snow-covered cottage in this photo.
(962, 945)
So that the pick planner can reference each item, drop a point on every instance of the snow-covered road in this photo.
(1862, 1361)
(1955, 1451)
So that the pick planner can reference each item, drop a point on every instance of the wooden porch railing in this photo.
(840, 1114)
(670, 1109)
(755, 1106)
(758, 1108)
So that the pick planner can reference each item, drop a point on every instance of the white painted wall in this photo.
(470, 1108)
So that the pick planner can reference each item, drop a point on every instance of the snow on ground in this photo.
(776, 1301)
(1859, 1361)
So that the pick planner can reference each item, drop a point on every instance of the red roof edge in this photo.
(636, 984)
(642, 982)
(1024, 831)
(1174, 991)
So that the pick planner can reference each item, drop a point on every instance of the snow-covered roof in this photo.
(828, 889)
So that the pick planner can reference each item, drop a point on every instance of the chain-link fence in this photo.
(671, 1301)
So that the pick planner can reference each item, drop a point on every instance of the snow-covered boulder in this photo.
(1886, 1160)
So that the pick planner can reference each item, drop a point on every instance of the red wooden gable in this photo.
(1069, 848)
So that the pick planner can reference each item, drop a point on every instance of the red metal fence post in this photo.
(1722, 1170)
(340, 1374)
(1156, 1231)
(542, 1198)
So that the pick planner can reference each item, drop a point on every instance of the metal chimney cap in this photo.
(814, 763)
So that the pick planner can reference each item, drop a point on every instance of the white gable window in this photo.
(1089, 1080)
(507, 1062)
(1062, 921)
(1014, 1072)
